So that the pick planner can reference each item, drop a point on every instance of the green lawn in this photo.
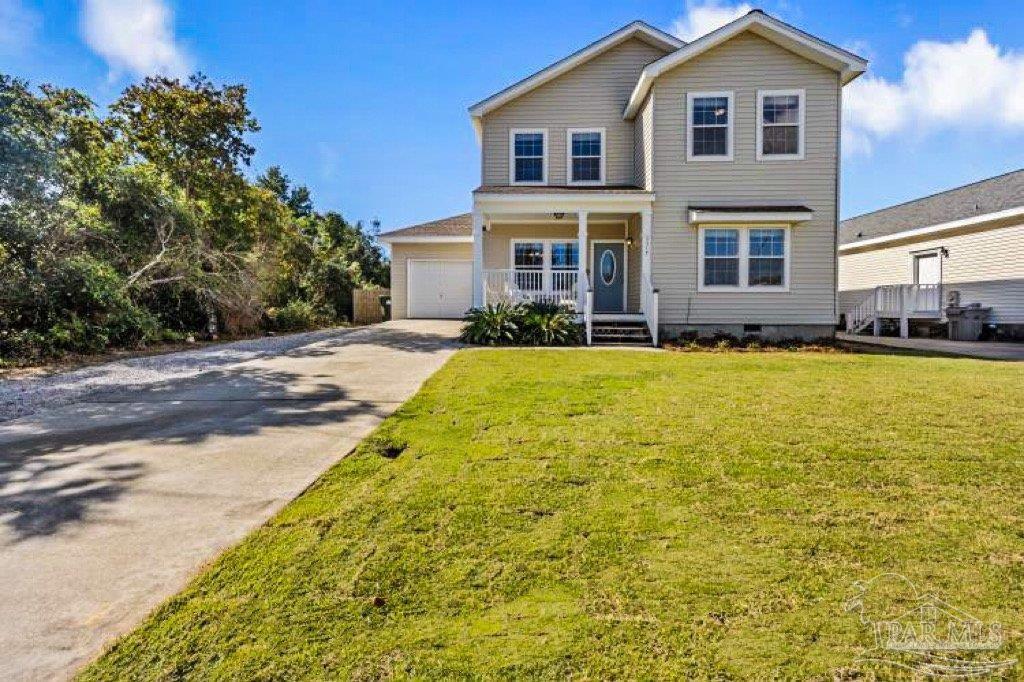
(623, 514)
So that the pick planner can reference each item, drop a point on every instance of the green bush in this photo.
(297, 316)
(529, 324)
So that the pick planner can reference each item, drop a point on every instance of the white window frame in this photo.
(568, 156)
(512, 155)
(744, 258)
(545, 257)
(729, 126)
(801, 116)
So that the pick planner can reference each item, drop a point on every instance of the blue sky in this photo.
(365, 102)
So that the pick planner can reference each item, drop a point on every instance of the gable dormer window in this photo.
(528, 160)
(709, 126)
(780, 130)
(586, 152)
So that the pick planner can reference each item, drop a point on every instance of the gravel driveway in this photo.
(21, 397)
(130, 476)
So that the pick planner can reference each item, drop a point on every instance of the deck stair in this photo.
(902, 302)
(621, 333)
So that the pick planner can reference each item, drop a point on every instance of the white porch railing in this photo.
(588, 310)
(523, 285)
(649, 304)
(903, 301)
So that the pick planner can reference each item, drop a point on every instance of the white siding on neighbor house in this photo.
(498, 250)
(986, 267)
(401, 253)
(744, 65)
(592, 95)
(643, 145)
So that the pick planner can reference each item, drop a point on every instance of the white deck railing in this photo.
(649, 303)
(522, 285)
(902, 301)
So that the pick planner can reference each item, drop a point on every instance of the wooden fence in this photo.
(366, 307)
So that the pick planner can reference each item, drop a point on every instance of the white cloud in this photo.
(135, 36)
(704, 17)
(18, 26)
(966, 84)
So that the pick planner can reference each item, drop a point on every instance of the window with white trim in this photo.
(541, 264)
(528, 262)
(528, 156)
(709, 126)
(744, 259)
(586, 150)
(780, 131)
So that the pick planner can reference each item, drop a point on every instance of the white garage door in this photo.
(440, 288)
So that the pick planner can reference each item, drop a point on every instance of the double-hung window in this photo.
(780, 128)
(586, 155)
(744, 259)
(709, 126)
(528, 155)
(546, 265)
(528, 261)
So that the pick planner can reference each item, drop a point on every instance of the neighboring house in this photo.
(905, 260)
(647, 181)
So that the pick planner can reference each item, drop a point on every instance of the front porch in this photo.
(593, 257)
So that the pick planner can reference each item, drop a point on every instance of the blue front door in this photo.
(608, 271)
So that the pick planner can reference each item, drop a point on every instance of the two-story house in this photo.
(676, 186)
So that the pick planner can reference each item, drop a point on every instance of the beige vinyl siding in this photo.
(592, 95)
(498, 249)
(643, 145)
(400, 253)
(986, 267)
(744, 65)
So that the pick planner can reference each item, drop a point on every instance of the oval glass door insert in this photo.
(608, 266)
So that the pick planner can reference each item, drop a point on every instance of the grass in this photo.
(607, 514)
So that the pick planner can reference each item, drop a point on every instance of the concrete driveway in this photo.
(108, 506)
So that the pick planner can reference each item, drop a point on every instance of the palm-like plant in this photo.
(493, 325)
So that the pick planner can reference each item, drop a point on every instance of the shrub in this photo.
(297, 316)
(529, 324)
(549, 326)
(494, 325)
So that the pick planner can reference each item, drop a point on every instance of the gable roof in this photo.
(636, 29)
(996, 195)
(454, 228)
(789, 37)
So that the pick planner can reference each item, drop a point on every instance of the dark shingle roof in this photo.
(987, 196)
(455, 226)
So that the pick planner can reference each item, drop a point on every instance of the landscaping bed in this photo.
(607, 514)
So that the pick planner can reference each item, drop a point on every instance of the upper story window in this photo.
(586, 152)
(528, 155)
(709, 126)
(744, 259)
(780, 129)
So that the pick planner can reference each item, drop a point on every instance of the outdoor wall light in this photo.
(559, 215)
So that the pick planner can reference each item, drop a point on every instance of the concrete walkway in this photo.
(110, 505)
(975, 349)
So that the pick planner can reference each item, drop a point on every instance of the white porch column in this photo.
(582, 265)
(478, 259)
(646, 217)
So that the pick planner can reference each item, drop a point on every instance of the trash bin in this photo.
(966, 322)
(385, 304)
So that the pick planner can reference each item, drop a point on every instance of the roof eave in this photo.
(846, 63)
(566, 64)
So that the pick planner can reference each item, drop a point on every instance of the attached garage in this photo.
(432, 268)
(439, 288)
